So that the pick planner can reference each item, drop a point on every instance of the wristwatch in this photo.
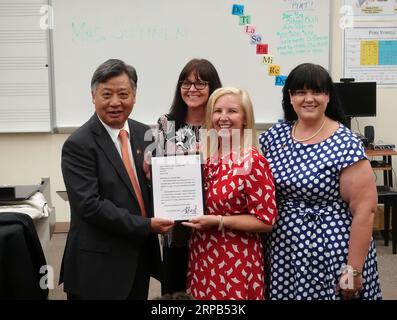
(349, 268)
(356, 273)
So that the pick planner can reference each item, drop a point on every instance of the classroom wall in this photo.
(25, 158)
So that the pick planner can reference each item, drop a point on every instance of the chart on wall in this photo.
(370, 54)
(373, 9)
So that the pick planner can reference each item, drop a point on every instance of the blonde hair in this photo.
(246, 104)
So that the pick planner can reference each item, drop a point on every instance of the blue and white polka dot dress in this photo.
(308, 246)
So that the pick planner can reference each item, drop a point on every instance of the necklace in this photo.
(306, 139)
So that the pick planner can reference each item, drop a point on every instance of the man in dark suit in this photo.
(112, 247)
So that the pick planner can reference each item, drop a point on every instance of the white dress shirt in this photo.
(114, 135)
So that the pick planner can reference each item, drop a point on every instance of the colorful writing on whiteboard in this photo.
(274, 70)
(262, 48)
(268, 59)
(249, 29)
(280, 80)
(256, 38)
(245, 20)
(237, 10)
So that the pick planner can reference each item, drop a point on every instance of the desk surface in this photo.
(63, 195)
(374, 153)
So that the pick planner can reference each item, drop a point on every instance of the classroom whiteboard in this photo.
(159, 37)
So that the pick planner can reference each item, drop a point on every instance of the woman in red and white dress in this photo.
(225, 250)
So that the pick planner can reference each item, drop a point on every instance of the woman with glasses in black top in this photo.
(179, 133)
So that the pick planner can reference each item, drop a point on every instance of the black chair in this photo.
(388, 197)
(21, 259)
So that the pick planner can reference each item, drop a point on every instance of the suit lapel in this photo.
(106, 144)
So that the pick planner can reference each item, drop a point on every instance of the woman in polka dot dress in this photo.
(321, 245)
(225, 249)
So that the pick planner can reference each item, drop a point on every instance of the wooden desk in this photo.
(387, 168)
(386, 194)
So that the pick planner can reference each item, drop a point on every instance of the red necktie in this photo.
(123, 136)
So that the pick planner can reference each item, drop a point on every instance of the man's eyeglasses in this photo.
(199, 85)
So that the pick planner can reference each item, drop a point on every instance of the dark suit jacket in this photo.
(107, 232)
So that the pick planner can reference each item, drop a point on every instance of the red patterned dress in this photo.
(230, 265)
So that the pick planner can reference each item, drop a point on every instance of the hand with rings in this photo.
(351, 294)
(350, 286)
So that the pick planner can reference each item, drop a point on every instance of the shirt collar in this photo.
(114, 132)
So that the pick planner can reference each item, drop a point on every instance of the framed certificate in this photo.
(177, 186)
